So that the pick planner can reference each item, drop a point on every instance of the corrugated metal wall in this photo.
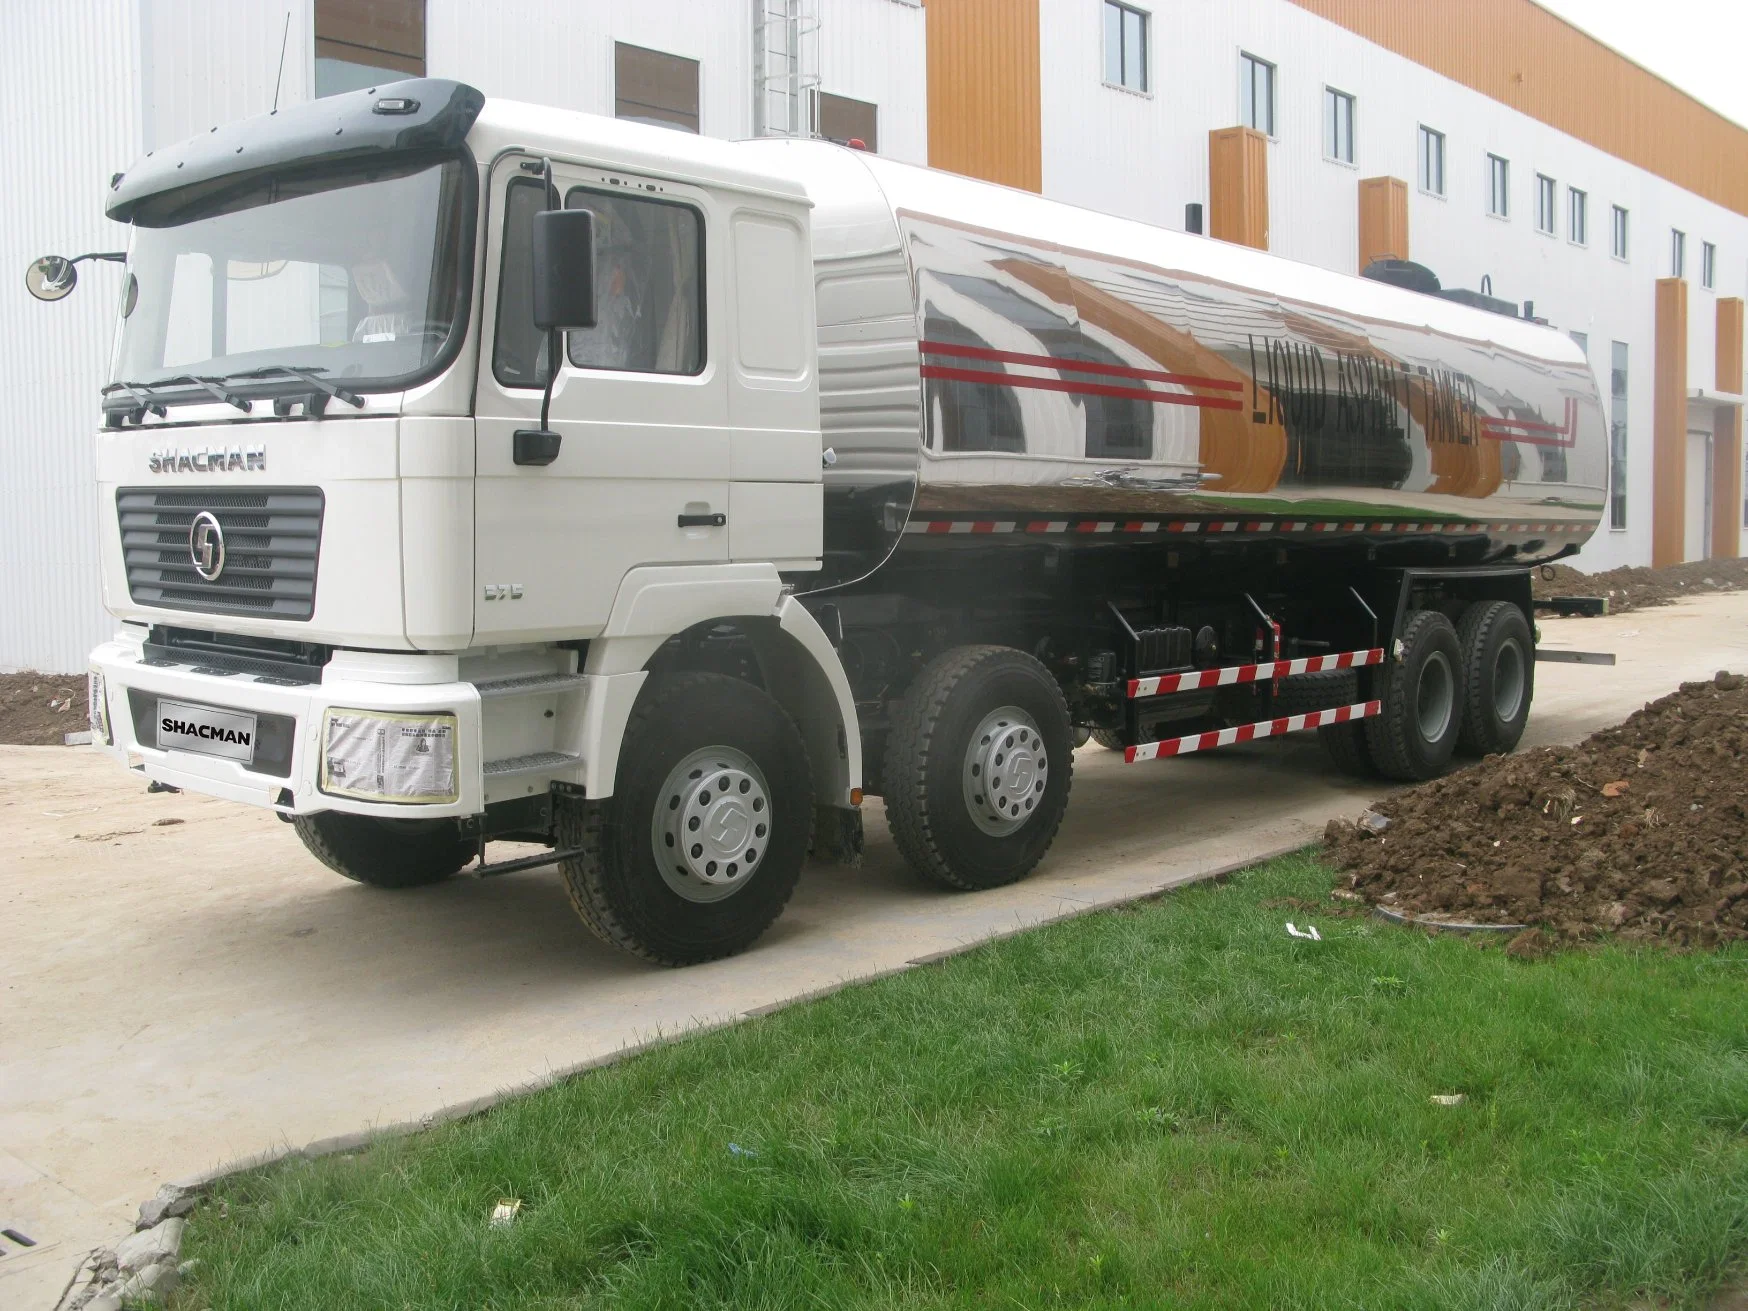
(1542, 66)
(69, 96)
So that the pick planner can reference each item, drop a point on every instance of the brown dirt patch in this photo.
(1640, 831)
(39, 710)
(1632, 587)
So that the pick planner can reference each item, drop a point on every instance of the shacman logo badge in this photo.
(206, 545)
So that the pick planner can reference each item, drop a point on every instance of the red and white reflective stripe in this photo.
(1160, 684)
(1265, 527)
(1182, 746)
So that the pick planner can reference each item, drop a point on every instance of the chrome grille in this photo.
(272, 538)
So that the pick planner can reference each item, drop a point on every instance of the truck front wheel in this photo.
(702, 843)
(978, 763)
(385, 853)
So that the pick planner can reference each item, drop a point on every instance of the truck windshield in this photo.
(354, 274)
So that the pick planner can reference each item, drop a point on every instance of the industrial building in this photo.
(1488, 140)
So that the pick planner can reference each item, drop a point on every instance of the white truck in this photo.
(475, 471)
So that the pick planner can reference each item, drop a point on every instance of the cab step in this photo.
(539, 762)
(530, 685)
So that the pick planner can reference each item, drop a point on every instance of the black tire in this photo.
(1346, 745)
(933, 727)
(1499, 673)
(1415, 733)
(1108, 738)
(616, 885)
(1303, 693)
(385, 853)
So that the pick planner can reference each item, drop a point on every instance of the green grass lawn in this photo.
(1171, 1105)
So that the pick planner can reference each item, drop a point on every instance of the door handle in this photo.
(716, 520)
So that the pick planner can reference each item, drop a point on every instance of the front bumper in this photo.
(290, 780)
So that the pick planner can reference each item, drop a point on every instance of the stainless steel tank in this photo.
(998, 365)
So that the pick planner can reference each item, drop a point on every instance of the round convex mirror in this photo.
(50, 277)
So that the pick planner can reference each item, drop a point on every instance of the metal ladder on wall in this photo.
(785, 68)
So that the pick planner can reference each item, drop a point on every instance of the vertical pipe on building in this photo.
(1727, 436)
(1669, 426)
(1238, 186)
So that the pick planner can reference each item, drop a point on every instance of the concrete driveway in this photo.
(181, 994)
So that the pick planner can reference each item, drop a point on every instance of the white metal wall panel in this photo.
(877, 50)
(207, 62)
(1146, 156)
(69, 91)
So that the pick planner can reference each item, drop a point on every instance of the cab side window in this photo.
(649, 286)
(519, 352)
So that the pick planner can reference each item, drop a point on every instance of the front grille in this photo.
(272, 538)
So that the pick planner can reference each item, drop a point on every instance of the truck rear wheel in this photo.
(1415, 732)
(385, 853)
(978, 764)
(701, 845)
(1499, 677)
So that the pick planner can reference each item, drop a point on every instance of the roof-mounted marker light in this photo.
(395, 105)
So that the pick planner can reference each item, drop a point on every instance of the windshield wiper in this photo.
(213, 385)
(142, 402)
(351, 398)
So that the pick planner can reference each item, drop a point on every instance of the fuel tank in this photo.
(998, 366)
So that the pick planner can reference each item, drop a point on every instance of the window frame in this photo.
(1677, 253)
(1123, 10)
(1248, 64)
(1332, 97)
(1547, 205)
(1620, 233)
(1708, 265)
(1498, 187)
(1424, 137)
(1577, 216)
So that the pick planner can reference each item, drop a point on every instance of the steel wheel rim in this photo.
(1005, 771)
(712, 824)
(1435, 697)
(1508, 681)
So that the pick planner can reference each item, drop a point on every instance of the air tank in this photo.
(999, 366)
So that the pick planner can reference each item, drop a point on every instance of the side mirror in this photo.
(51, 277)
(564, 269)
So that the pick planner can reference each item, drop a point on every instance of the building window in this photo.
(1708, 265)
(1619, 241)
(1432, 162)
(1577, 216)
(1677, 253)
(1544, 204)
(1125, 46)
(364, 45)
(1617, 437)
(652, 87)
(1338, 109)
(1256, 93)
(844, 120)
(1498, 186)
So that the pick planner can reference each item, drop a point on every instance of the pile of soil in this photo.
(1640, 831)
(1631, 587)
(41, 709)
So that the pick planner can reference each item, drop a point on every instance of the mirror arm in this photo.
(554, 343)
(115, 256)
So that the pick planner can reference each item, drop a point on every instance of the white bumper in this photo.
(128, 683)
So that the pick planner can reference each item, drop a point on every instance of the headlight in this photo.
(99, 707)
(388, 757)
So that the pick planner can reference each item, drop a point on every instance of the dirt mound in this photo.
(1639, 831)
(41, 709)
(1631, 587)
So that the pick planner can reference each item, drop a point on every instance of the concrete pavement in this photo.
(177, 995)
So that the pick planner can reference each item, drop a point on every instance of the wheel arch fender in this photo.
(803, 674)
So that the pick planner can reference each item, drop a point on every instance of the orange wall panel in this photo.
(983, 90)
(1669, 426)
(1238, 186)
(1523, 56)
(1727, 436)
(1383, 220)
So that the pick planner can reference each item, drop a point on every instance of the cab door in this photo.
(640, 405)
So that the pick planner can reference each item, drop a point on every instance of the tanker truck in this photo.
(477, 472)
